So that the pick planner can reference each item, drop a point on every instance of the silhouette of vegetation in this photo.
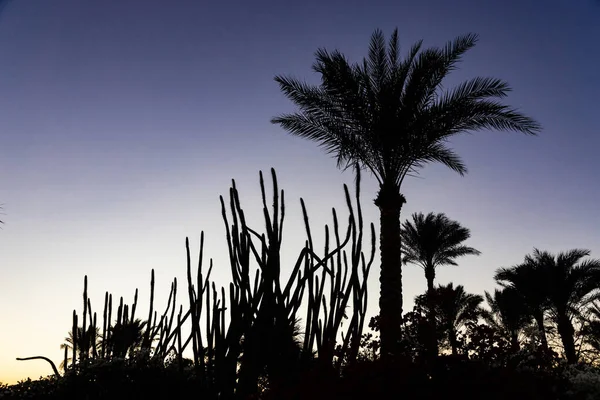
(297, 331)
(508, 315)
(454, 309)
(564, 286)
(391, 116)
(263, 347)
(87, 342)
(433, 241)
(529, 281)
(591, 334)
(273, 338)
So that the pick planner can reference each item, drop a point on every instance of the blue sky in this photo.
(122, 121)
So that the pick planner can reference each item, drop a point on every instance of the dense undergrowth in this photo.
(459, 378)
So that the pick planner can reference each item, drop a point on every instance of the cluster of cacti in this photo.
(249, 333)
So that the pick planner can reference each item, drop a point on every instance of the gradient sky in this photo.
(122, 121)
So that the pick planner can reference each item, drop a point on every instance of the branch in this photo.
(42, 358)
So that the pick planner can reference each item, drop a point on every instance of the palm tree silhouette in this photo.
(591, 329)
(571, 284)
(390, 115)
(87, 343)
(530, 281)
(454, 308)
(126, 337)
(432, 241)
(508, 316)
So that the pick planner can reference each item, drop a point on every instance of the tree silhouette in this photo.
(508, 315)
(126, 337)
(454, 308)
(390, 115)
(530, 281)
(571, 284)
(591, 329)
(431, 241)
(87, 343)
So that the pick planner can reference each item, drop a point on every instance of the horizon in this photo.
(124, 123)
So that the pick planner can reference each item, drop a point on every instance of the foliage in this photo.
(263, 346)
(584, 382)
(487, 344)
(86, 343)
(434, 240)
(126, 337)
(508, 316)
(454, 308)
(110, 379)
(392, 115)
(284, 356)
(559, 288)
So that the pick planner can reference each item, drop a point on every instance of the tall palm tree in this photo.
(431, 241)
(508, 314)
(530, 281)
(454, 309)
(571, 284)
(391, 115)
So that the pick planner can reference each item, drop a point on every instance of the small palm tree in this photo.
(392, 116)
(571, 284)
(508, 316)
(529, 280)
(87, 343)
(126, 337)
(454, 308)
(432, 241)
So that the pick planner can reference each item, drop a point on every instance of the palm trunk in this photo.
(453, 341)
(566, 331)
(432, 337)
(390, 201)
(514, 341)
(539, 319)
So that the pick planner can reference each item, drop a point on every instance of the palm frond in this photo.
(394, 51)
(434, 240)
(438, 152)
(390, 114)
(377, 60)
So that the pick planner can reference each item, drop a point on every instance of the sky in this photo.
(122, 121)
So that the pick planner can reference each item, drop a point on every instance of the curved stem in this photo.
(42, 358)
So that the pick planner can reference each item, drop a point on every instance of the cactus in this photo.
(252, 326)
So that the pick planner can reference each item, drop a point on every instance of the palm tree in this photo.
(571, 284)
(529, 280)
(591, 328)
(126, 337)
(432, 241)
(508, 314)
(87, 343)
(454, 308)
(391, 116)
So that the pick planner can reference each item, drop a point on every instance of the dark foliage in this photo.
(392, 115)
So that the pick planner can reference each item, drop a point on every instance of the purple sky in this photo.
(122, 121)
